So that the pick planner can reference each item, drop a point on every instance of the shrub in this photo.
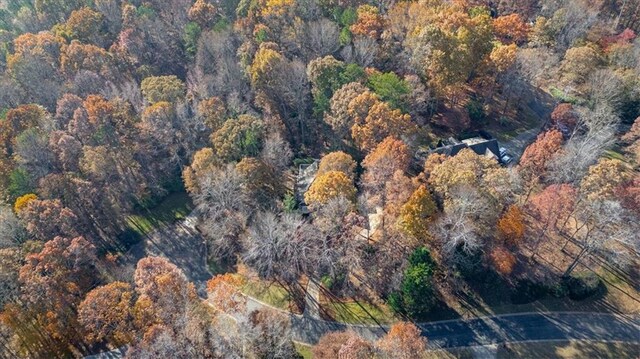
(583, 285)
(527, 291)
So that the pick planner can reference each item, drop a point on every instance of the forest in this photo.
(199, 178)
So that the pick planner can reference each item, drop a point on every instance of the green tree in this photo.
(391, 88)
(416, 295)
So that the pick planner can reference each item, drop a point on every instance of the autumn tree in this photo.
(502, 260)
(338, 117)
(337, 161)
(511, 29)
(604, 178)
(330, 185)
(403, 341)
(535, 159)
(239, 137)
(375, 120)
(213, 111)
(579, 63)
(389, 156)
(342, 344)
(202, 12)
(105, 314)
(259, 180)
(162, 89)
(553, 205)
(417, 213)
(164, 293)
(564, 118)
(369, 22)
(511, 225)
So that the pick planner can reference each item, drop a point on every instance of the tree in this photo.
(375, 120)
(502, 260)
(391, 88)
(239, 137)
(339, 118)
(203, 13)
(276, 152)
(551, 206)
(604, 179)
(162, 89)
(579, 63)
(511, 29)
(164, 293)
(46, 219)
(511, 225)
(465, 168)
(389, 156)
(53, 282)
(330, 185)
(105, 314)
(259, 181)
(22, 202)
(11, 231)
(564, 118)
(416, 296)
(337, 161)
(404, 341)
(335, 344)
(417, 213)
(369, 23)
(213, 111)
(86, 26)
(537, 156)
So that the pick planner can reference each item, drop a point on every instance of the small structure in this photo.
(306, 176)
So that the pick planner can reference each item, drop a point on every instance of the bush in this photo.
(527, 291)
(476, 111)
(583, 285)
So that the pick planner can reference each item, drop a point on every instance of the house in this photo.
(482, 143)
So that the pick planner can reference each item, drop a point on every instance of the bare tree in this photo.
(276, 152)
(594, 134)
(320, 38)
(603, 223)
(466, 218)
(11, 231)
(223, 209)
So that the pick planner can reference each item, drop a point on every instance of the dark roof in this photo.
(479, 148)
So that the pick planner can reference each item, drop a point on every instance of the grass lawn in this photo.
(270, 293)
(570, 350)
(304, 350)
(358, 312)
(175, 206)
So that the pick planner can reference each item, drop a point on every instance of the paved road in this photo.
(486, 330)
(181, 244)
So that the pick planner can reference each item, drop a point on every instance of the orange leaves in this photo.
(224, 294)
(404, 341)
(535, 158)
(511, 225)
(369, 23)
(375, 120)
(337, 161)
(511, 29)
(503, 261)
(416, 214)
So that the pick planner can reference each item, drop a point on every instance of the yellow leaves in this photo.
(23, 201)
(380, 121)
(416, 214)
(503, 56)
(465, 168)
(276, 7)
(337, 161)
(162, 88)
(604, 178)
(265, 63)
(328, 186)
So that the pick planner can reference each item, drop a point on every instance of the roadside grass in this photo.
(304, 350)
(270, 293)
(174, 207)
(569, 350)
(358, 312)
